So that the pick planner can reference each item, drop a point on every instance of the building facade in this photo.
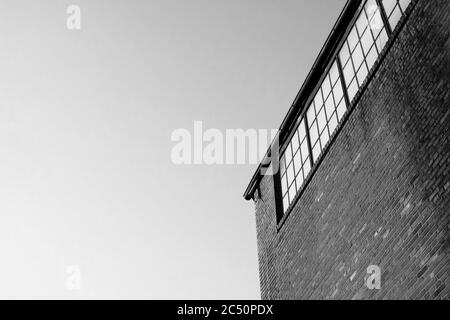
(361, 166)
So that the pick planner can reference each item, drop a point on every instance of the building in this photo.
(363, 175)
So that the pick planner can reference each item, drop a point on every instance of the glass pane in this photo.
(324, 138)
(321, 119)
(297, 162)
(305, 151)
(332, 125)
(362, 74)
(299, 181)
(341, 109)
(329, 107)
(292, 192)
(326, 87)
(290, 175)
(395, 17)
(302, 131)
(316, 152)
(372, 57)
(357, 57)
(288, 155)
(382, 40)
(334, 73)
(376, 23)
(318, 101)
(348, 73)
(352, 89)
(344, 54)
(389, 6)
(284, 186)
(314, 134)
(306, 168)
(311, 114)
(352, 39)
(295, 142)
(285, 203)
(371, 9)
(361, 23)
(338, 93)
(404, 4)
(367, 41)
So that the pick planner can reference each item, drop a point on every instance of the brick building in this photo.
(363, 173)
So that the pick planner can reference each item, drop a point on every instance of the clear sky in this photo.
(86, 117)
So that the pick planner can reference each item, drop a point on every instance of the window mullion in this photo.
(384, 18)
(308, 139)
(341, 77)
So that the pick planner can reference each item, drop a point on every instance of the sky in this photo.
(86, 117)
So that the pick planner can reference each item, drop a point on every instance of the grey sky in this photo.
(85, 122)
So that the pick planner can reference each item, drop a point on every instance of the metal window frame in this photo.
(281, 213)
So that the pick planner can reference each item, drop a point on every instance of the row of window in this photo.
(346, 75)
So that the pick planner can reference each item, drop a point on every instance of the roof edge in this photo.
(321, 62)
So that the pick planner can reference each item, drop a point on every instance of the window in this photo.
(395, 9)
(295, 165)
(362, 47)
(326, 111)
(348, 72)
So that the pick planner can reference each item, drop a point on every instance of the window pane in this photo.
(352, 89)
(395, 17)
(382, 40)
(361, 23)
(284, 186)
(362, 74)
(311, 114)
(389, 6)
(376, 23)
(295, 142)
(316, 152)
(314, 134)
(338, 93)
(348, 73)
(334, 73)
(352, 39)
(299, 181)
(288, 155)
(332, 125)
(326, 87)
(306, 168)
(301, 131)
(344, 55)
(318, 101)
(321, 119)
(290, 175)
(305, 151)
(324, 138)
(404, 4)
(341, 109)
(357, 57)
(329, 107)
(285, 203)
(292, 192)
(372, 57)
(367, 41)
(297, 162)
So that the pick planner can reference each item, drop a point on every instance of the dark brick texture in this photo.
(381, 194)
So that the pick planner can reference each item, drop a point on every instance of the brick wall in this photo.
(381, 194)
